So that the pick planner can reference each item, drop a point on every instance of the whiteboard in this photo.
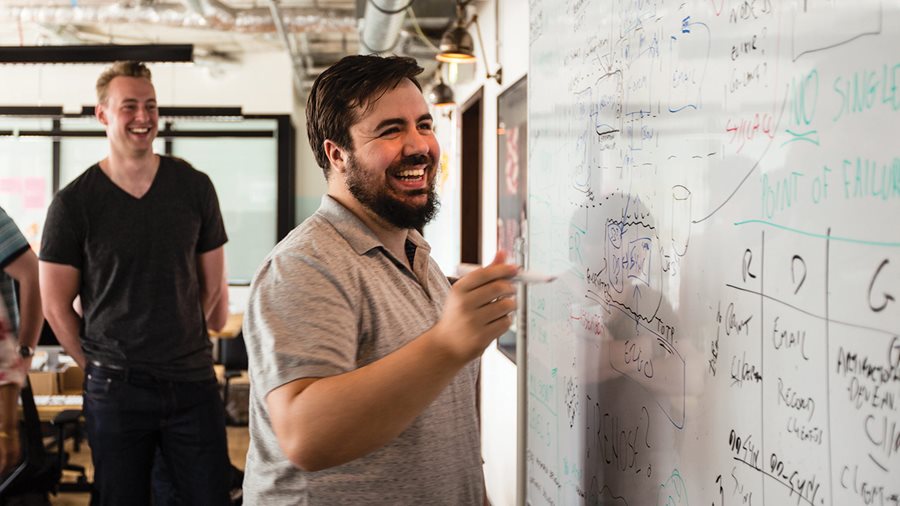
(717, 183)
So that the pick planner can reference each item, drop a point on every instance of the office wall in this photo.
(310, 181)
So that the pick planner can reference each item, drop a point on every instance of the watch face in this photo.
(26, 351)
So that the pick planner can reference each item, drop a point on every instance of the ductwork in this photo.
(210, 8)
(296, 61)
(380, 31)
(254, 20)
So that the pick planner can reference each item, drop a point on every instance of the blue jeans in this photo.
(130, 414)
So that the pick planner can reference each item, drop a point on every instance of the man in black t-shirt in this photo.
(139, 237)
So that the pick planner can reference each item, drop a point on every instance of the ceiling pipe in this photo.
(252, 20)
(211, 9)
(381, 25)
(195, 6)
(296, 60)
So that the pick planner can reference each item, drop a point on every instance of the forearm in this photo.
(31, 316)
(216, 318)
(66, 324)
(341, 418)
(24, 270)
(210, 298)
(326, 422)
(213, 287)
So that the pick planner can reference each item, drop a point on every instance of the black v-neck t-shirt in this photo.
(138, 260)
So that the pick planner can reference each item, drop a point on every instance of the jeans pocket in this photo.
(97, 385)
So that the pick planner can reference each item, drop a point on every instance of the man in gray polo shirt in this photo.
(362, 357)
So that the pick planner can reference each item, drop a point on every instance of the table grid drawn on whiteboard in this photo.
(717, 184)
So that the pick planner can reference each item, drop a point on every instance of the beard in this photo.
(379, 199)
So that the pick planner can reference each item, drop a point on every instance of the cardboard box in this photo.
(44, 382)
(71, 380)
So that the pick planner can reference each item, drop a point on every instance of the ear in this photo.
(337, 156)
(100, 114)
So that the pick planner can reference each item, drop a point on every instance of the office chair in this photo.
(233, 356)
(8, 478)
(41, 471)
(68, 424)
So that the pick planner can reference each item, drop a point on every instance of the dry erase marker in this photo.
(531, 277)
(522, 276)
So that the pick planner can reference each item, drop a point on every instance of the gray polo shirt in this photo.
(329, 299)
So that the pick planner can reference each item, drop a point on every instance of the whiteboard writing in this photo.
(718, 181)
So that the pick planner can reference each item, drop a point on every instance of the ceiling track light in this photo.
(457, 45)
(101, 53)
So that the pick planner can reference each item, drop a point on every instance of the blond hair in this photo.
(123, 69)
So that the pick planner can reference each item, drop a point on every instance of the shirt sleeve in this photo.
(12, 242)
(61, 242)
(300, 323)
(212, 226)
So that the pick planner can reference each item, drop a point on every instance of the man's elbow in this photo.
(53, 311)
(31, 279)
(308, 464)
(25, 270)
(216, 323)
(304, 455)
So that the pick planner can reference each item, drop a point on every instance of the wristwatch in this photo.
(26, 351)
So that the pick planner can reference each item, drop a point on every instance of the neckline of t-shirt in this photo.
(153, 184)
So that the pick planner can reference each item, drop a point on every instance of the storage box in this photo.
(44, 382)
(71, 380)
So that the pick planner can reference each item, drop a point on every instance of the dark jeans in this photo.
(130, 414)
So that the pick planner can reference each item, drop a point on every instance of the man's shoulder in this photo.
(182, 169)
(12, 242)
(315, 237)
(313, 245)
(83, 184)
(5, 218)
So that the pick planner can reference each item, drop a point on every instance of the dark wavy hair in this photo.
(355, 82)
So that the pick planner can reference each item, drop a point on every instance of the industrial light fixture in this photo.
(441, 95)
(100, 53)
(457, 45)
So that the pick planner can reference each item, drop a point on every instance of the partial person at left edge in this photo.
(12, 376)
(139, 238)
(19, 287)
(20, 317)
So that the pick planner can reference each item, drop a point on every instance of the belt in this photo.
(123, 373)
(111, 367)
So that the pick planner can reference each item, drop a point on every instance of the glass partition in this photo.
(245, 174)
(26, 175)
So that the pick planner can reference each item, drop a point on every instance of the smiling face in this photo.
(392, 167)
(130, 116)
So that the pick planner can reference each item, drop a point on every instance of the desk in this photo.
(56, 391)
(50, 406)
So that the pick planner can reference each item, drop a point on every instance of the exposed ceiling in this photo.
(316, 32)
